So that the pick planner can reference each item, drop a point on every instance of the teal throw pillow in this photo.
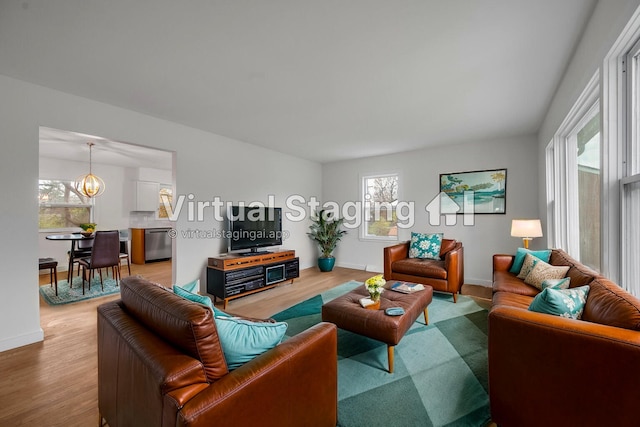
(556, 283)
(242, 340)
(192, 287)
(202, 299)
(426, 246)
(561, 302)
(522, 252)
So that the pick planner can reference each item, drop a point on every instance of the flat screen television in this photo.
(254, 227)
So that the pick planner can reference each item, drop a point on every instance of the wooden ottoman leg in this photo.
(426, 315)
(390, 356)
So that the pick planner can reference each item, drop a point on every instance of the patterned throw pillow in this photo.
(425, 246)
(543, 271)
(561, 302)
(527, 265)
(556, 283)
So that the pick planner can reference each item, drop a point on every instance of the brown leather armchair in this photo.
(160, 364)
(444, 275)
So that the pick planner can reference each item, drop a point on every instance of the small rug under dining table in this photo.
(68, 294)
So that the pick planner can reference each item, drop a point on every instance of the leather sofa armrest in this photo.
(294, 383)
(454, 264)
(502, 262)
(392, 254)
(533, 356)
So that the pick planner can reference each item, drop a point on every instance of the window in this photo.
(379, 201)
(630, 183)
(574, 197)
(165, 196)
(61, 205)
(587, 140)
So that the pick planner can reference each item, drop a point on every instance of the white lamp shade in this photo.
(526, 228)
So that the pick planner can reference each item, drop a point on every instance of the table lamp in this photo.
(528, 229)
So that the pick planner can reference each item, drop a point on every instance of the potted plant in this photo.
(88, 228)
(326, 232)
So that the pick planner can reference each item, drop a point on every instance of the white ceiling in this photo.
(320, 79)
(61, 144)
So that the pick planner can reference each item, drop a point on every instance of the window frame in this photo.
(562, 209)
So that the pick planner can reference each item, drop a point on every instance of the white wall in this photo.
(420, 173)
(207, 165)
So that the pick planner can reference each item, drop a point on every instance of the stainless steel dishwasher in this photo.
(157, 244)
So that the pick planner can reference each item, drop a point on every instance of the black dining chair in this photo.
(124, 248)
(105, 253)
(82, 250)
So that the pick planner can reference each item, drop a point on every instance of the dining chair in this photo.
(82, 250)
(124, 248)
(105, 253)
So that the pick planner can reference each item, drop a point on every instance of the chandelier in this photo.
(89, 184)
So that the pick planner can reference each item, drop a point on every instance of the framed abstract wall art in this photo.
(484, 192)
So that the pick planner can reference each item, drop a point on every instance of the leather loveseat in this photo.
(554, 371)
(160, 363)
(445, 274)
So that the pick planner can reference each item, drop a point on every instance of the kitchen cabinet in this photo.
(146, 196)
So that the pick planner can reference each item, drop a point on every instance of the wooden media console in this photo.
(231, 276)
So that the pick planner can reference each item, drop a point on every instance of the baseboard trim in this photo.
(22, 340)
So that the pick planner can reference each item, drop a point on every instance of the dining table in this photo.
(74, 238)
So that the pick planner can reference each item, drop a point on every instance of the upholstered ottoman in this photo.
(347, 313)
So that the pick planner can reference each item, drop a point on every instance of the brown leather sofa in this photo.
(552, 371)
(444, 275)
(160, 364)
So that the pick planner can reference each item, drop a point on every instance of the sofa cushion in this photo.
(521, 254)
(187, 326)
(510, 299)
(543, 271)
(421, 267)
(567, 303)
(609, 304)
(243, 340)
(504, 281)
(579, 274)
(425, 246)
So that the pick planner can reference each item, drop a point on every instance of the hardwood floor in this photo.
(54, 382)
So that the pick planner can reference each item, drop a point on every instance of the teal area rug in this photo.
(440, 376)
(68, 295)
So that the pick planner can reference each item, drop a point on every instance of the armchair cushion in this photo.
(425, 246)
(421, 267)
